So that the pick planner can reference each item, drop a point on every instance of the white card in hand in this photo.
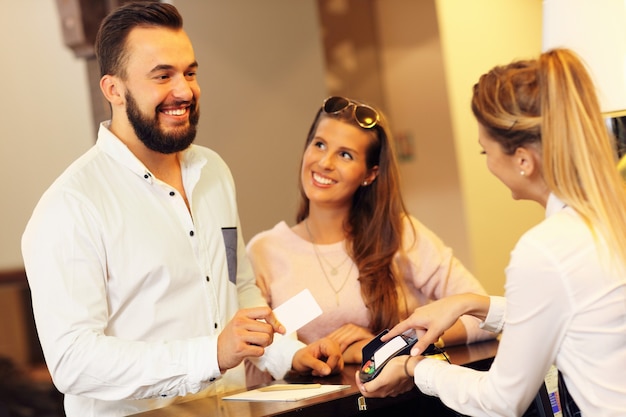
(297, 311)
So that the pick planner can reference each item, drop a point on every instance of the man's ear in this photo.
(112, 89)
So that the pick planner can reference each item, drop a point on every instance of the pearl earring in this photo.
(522, 173)
(364, 182)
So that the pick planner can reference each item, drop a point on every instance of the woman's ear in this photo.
(526, 159)
(371, 176)
(111, 88)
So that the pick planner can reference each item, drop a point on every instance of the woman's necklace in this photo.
(333, 269)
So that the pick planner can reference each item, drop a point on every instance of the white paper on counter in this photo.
(287, 395)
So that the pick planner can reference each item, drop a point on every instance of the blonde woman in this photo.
(543, 136)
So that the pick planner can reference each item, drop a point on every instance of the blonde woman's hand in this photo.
(433, 319)
(393, 380)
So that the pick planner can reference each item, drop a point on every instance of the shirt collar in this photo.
(116, 149)
(554, 205)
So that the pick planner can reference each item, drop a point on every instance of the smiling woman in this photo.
(366, 260)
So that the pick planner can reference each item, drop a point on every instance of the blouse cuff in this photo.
(494, 322)
(424, 375)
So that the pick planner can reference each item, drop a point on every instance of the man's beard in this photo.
(148, 131)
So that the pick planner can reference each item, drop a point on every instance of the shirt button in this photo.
(212, 379)
(215, 325)
(172, 193)
(146, 176)
(208, 279)
(191, 233)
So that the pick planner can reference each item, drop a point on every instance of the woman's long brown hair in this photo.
(374, 227)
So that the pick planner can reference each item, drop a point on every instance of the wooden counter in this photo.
(341, 403)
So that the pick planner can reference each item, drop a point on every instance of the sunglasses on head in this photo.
(364, 115)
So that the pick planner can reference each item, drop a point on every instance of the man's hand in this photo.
(247, 334)
(320, 358)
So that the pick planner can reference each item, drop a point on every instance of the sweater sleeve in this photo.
(434, 272)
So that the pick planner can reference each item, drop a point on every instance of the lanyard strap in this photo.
(568, 405)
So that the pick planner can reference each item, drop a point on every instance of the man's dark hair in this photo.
(110, 44)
